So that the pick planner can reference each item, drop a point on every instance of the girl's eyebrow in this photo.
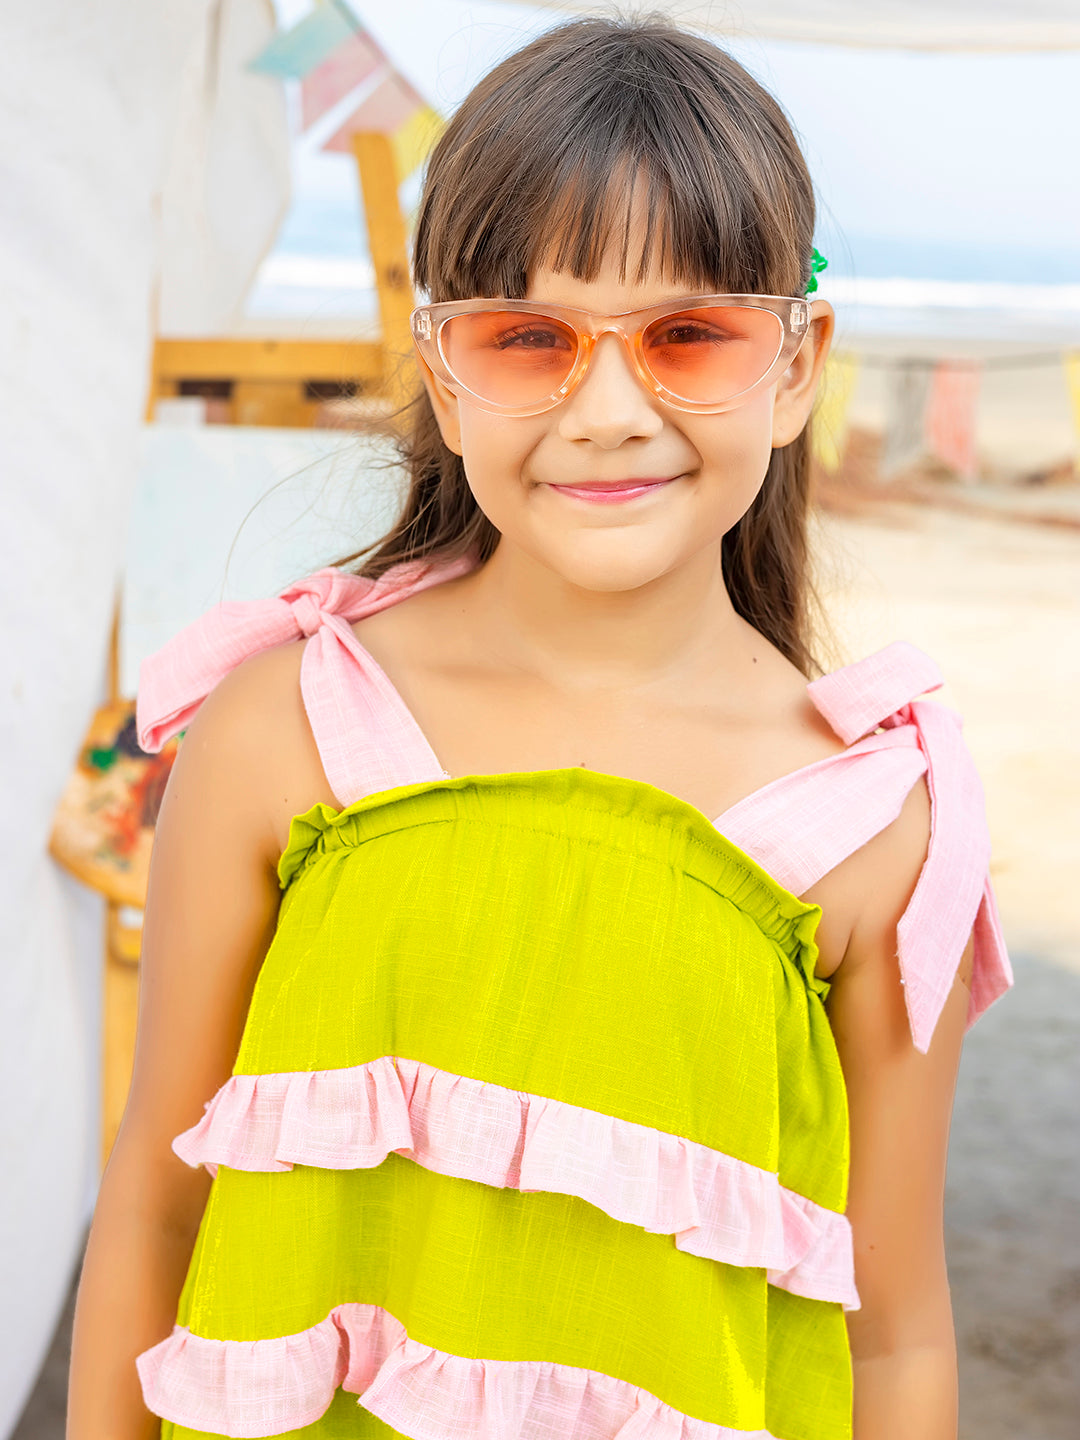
(683, 292)
(683, 295)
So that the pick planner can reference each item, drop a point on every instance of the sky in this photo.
(941, 166)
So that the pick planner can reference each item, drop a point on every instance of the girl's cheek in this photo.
(496, 453)
(736, 449)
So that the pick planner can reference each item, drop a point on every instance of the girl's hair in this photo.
(539, 166)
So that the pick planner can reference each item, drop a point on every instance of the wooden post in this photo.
(120, 997)
(120, 1005)
(386, 236)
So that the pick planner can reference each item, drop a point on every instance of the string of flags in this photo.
(333, 57)
(1072, 377)
(834, 397)
(931, 408)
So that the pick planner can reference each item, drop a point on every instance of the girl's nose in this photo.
(610, 405)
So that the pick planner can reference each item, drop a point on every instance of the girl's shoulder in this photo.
(255, 722)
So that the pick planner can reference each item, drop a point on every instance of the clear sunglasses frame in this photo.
(794, 315)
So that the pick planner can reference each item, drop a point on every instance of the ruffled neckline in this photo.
(323, 829)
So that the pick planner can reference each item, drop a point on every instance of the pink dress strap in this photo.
(953, 897)
(803, 825)
(365, 735)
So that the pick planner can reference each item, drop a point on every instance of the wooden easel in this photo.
(379, 183)
(280, 381)
(265, 382)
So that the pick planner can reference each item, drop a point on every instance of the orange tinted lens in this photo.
(509, 357)
(707, 356)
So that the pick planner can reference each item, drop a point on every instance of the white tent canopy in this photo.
(1002, 25)
(145, 169)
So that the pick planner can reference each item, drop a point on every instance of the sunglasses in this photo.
(704, 353)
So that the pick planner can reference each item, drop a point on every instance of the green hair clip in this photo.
(817, 264)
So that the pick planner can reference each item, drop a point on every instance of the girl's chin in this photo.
(608, 562)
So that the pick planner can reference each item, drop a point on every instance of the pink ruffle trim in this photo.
(265, 1387)
(715, 1206)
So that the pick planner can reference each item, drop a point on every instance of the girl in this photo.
(528, 1112)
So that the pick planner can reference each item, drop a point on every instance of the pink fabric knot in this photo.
(307, 614)
(953, 897)
(862, 696)
(327, 592)
(175, 680)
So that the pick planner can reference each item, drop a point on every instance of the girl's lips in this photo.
(612, 494)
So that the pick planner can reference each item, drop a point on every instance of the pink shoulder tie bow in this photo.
(953, 896)
(364, 733)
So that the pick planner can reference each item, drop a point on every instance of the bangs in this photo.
(605, 141)
(607, 211)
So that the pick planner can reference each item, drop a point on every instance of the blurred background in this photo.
(203, 256)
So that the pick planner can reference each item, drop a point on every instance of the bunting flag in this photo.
(357, 59)
(950, 414)
(331, 54)
(905, 415)
(294, 53)
(396, 109)
(830, 412)
(1072, 379)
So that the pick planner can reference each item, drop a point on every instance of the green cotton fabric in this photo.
(574, 935)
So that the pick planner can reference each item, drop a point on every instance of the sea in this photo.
(1028, 304)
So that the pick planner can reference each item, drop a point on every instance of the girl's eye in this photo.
(531, 337)
(687, 332)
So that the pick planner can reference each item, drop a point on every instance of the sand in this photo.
(997, 604)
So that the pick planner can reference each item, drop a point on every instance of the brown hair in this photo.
(542, 147)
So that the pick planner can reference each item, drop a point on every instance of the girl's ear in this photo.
(444, 403)
(797, 387)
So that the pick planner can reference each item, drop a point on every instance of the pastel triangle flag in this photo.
(394, 108)
(294, 53)
(830, 413)
(1072, 379)
(908, 391)
(353, 62)
(950, 415)
(413, 141)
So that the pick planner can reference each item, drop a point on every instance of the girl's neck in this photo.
(680, 625)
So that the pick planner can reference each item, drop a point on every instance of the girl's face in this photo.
(522, 470)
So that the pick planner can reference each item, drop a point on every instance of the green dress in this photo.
(537, 1129)
(619, 1207)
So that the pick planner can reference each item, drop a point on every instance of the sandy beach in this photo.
(997, 604)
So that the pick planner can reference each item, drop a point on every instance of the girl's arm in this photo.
(211, 909)
(902, 1339)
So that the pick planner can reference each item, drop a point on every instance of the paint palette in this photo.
(103, 830)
